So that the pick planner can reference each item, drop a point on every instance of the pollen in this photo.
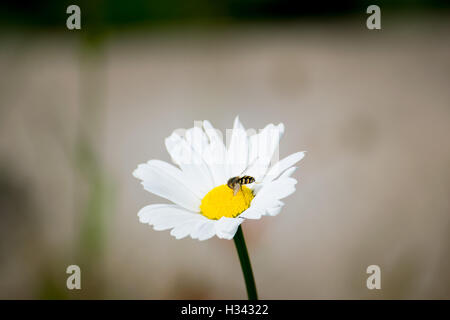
(220, 202)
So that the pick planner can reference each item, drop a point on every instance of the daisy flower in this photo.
(203, 204)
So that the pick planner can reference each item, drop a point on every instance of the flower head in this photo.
(203, 204)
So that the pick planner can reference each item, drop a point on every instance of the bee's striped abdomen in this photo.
(246, 180)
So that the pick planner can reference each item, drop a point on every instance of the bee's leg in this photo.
(236, 189)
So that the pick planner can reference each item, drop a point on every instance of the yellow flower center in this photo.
(220, 202)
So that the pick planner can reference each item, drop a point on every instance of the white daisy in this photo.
(203, 204)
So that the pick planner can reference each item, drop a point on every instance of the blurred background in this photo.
(80, 109)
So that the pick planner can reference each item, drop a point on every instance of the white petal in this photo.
(197, 139)
(288, 172)
(273, 211)
(226, 227)
(278, 189)
(166, 183)
(183, 222)
(282, 165)
(215, 155)
(177, 174)
(187, 228)
(204, 231)
(262, 148)
(253, 213)
(167, 216)
(190, 162)
(237, 156)
(267, 200)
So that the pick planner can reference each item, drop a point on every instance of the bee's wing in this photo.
(236, 189)
(248, 166)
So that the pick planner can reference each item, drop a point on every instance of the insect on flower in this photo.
(236, 183)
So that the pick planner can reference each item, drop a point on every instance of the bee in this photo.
(235, 183)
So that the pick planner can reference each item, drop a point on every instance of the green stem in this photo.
(241, 248)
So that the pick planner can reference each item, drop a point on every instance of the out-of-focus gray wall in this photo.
(372, 108)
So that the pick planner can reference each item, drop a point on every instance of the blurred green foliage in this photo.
(113, 13)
